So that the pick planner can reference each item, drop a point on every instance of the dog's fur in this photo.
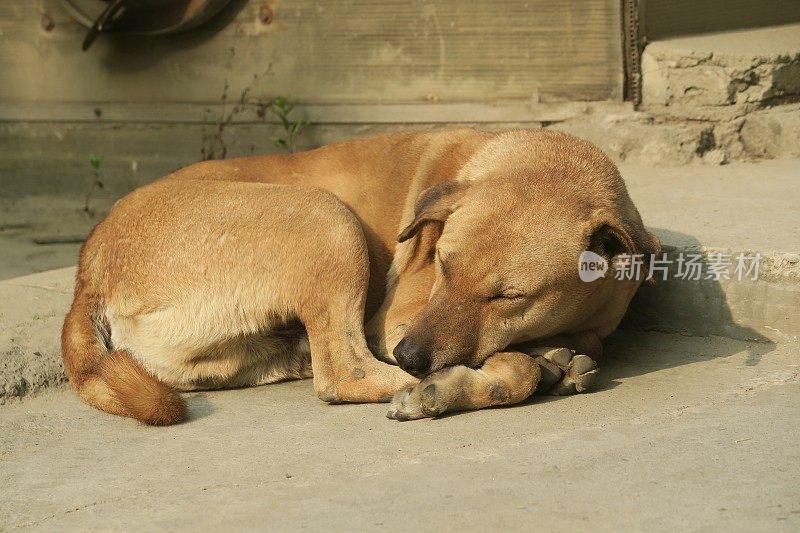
(249, 271)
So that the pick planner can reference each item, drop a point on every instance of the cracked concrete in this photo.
(722, 76)
(31, 312)
(719, 97)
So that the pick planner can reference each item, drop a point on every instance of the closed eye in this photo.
(508, 294)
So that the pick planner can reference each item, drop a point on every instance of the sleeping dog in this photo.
(437, 270)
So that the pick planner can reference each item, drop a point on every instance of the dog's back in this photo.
(180, 286)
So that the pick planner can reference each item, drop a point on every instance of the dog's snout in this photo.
(412, 358)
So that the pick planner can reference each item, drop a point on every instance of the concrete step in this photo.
(722, 75)
(683, 433)
(738, 90)
(741, 208)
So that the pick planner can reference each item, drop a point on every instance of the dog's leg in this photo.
(344, 368)
(505, 378)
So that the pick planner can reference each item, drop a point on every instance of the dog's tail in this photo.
(112, 380)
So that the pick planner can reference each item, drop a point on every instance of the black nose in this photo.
(412, 358)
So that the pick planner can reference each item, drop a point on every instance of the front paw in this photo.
(579, 376)
(415, 402)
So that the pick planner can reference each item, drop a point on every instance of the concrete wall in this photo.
(357, 67)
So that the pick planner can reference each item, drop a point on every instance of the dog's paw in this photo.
(406, 405)
(415, 402)
(579, 373)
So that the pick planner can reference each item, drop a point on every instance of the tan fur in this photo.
(223, 275)
(504, 378)
(112, 381)
(138, 394)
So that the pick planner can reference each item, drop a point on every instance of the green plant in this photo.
(96, 183)
(281, 108)
(214, 143)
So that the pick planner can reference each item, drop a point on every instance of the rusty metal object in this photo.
(102, 22)
(631, 51)
(141, 17)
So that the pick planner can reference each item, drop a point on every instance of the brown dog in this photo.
(250, 271)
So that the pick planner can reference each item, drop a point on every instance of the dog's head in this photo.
(506, 263)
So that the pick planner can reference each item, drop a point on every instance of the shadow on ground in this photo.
(689, 306)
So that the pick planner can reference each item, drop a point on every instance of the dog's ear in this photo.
(611, 237)
(608, 241)
(434, 204)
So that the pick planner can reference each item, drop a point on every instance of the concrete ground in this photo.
(739, 206)
(683, 433)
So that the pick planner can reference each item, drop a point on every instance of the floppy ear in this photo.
(434, 204)
(607, 241)
(611, 237)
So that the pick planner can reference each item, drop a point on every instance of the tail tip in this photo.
(140, 394)
(170, 410)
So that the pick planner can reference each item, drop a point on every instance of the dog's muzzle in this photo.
(412, 358)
